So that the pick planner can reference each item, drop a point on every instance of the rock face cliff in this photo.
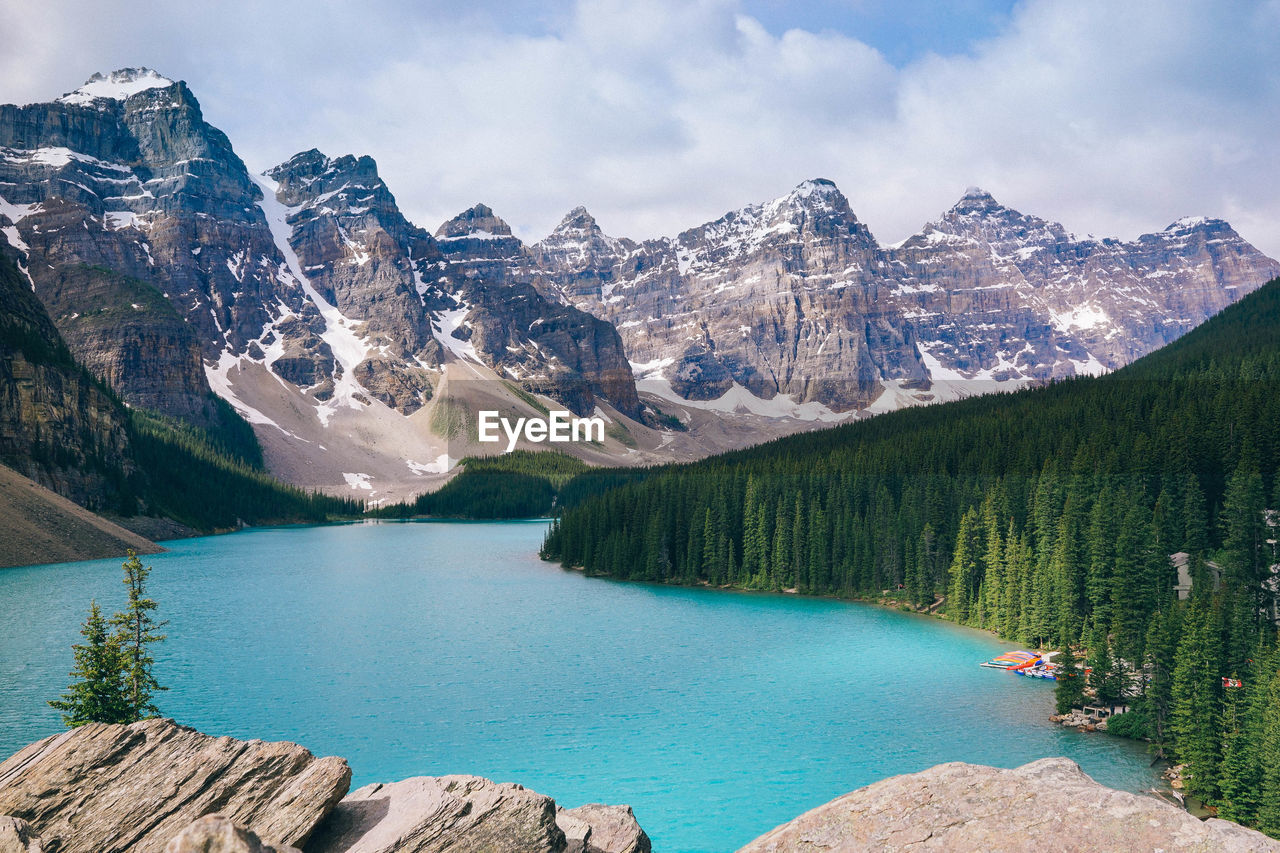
(58, 426)
(1048, 805)
(796, 297)
(135, 217)
(154, 786)
(551, 348)
(424, 300)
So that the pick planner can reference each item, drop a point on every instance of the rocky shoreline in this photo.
(157, 787)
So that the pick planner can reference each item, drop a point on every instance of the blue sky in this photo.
(903, 31)
(1112, 118)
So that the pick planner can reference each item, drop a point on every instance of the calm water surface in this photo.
(434, 648)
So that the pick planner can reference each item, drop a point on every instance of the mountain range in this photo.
(357, 343)
(796, 297)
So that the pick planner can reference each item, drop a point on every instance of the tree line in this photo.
(519, 484)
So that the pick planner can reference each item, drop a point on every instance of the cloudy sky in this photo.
(1112, 118)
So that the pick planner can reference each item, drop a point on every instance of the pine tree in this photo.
(136, 632)
(1195, 699)
(1069, 691)
(1161, 652)
(1104, 677)
(1196, 541)
(1242, 558)
(1240, 774)
(966, 570)
(99, 694)
(1268, 702)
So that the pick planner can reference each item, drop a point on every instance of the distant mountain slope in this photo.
(63, 428)
(58, 424)
(306, 300)
(1195, 409)
(796, 297)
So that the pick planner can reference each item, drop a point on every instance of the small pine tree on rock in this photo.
(136, 632)
(98, 695)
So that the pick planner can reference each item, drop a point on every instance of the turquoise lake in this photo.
(434, 648)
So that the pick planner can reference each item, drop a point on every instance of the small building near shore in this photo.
(1182, 562)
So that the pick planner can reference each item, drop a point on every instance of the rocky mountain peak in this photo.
(978, 217)
(476, 221)
(815, 208)
(814, 197)
(311, 162)
(977, 201)
(116, 86)
(579, 242)
(816, 188)
(578, 220)
(310, 175)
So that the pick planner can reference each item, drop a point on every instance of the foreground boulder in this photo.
(16, 836)
(595, 828)
(217, 834)
(1047, 805)
(111, 788)
(467, 813)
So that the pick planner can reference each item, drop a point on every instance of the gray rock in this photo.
(112, 788)
(142, 236)
(16, 836)
(1049, 806)
(148, 242)
(435, 814)
(216, 833)
(548, 347)
(596, 828)
(362, 255)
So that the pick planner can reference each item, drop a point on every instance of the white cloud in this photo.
(1112, 118)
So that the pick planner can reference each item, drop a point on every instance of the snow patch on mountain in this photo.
(1080, 317)
(655, 369)
(357, 481)
(442, 465)
(449, 322)
(220, 381)
(15, 213)
(116, 86)
(348, 348)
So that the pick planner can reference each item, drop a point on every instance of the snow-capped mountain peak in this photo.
(816, 194)
(116, 86)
